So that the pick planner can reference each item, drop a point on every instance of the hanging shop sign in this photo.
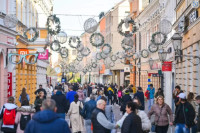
(43, 56)
(167, 66)
(193, 16)
(9, 91)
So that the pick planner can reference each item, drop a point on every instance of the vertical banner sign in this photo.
(167, 66)
(44, 56)
(9, 84)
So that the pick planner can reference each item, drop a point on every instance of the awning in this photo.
(127, 77)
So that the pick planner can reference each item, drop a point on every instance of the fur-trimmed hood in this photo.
(28, 109)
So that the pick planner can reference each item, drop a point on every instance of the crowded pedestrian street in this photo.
(99, 66)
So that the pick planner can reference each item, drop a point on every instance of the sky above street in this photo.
(73, 13)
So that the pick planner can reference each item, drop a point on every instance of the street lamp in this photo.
(162, 55)
(151, 61)
(139, 67)
(176, 41)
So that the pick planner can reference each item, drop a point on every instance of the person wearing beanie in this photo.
(184, 115)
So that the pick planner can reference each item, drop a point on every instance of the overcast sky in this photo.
(73, 25)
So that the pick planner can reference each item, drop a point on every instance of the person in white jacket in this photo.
(146, 123)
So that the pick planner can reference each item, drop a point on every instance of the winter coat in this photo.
(132, 124)
(24, 110)
(188, 112)
(38, 103)
(159, 93)
(7, 128)
(76, 120)
(151, 92)
(88, 108)
(161, 114)
(140, 95)
(146, 123)
(125, 99)
(70, 96)
(81, 96)
(47, 121)
(61, 102)
(38, 91)
(198, 120)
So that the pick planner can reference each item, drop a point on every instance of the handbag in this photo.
(153, 125)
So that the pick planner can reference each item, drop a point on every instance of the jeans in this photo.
(150, 103)
(61, 115)
(162, 129)
(180, 128)
(88, 126)
(194, 129)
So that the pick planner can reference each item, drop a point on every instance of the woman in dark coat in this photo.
(140, 96)
(132, 123)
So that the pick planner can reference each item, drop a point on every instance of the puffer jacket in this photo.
(161, 114)
(24, 110)
(81, 95)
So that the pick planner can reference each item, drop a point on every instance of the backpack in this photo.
(24, 120)
(110, 93)
(147, 94)
(119, 93)
(9, 117)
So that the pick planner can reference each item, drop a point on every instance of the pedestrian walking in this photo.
(39, 90)
(87, 112)
(161, 110)
(176, 92)
(132, 123)
(159, 93)
(89, 88)
(100, 95)
(23, 116)
(190, 99)
(38, 101)
(119, 95)
(81, 96)
(99, 121)
(184, 115)
(8, 115)
(47, 121)
(151, 91)
(198, 115)
(76, 120)
(24, 96)
(110, 95)
(49, 90)
(70, 95)
(125, 99)
(140, 95)
(61, 103)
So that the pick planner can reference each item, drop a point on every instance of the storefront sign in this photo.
(23, 51)
(193, 16)
(10, 40)
(126, 69)
(9, 84)
(167, 66)
(43, 56)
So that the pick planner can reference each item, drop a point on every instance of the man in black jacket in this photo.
(41, 89)
(184, 115)
(61, 102)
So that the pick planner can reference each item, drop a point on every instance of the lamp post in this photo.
(139, 67)
(151, 61)
(162, 55)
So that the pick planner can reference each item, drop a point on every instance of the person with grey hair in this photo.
(99, 121)
(47, 121)
(87, 112)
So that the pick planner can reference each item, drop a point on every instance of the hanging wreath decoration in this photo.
(53, 25)
(162, 42)
(31, 31)
(64, 52)
(55, 45)
(113, 58)
(80, 46)
(106, 46)
(144, 53)
(98, 56)
(99, 36)
(94, 65)
(73, 39)
(85, 52)
(153, 48)
(134, 29)
(103, 56)
(79, 57)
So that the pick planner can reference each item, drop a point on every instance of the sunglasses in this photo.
(17, 58)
